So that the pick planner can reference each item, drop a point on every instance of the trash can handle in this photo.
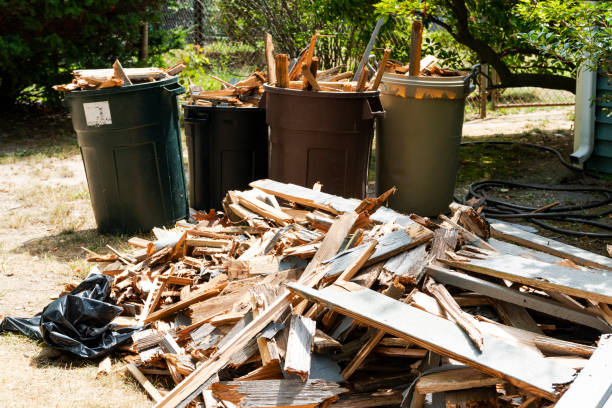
(177, 90)
(470, 79)
(372, 109)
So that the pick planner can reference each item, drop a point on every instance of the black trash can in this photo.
(321, 136)
(130, 143)
(227, 148)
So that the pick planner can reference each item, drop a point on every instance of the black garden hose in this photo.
(502, 209)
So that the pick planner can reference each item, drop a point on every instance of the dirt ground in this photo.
(46, 217)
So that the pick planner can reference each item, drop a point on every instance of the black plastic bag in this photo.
(78, 322)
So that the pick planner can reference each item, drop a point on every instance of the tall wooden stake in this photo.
(415, 48)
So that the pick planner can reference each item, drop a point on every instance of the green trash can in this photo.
(131, 148)
(417, 145)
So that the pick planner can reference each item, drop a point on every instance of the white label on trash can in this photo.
(97, 113)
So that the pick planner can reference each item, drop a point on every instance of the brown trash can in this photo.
(321, 136)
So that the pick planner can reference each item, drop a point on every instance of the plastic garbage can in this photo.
(227, 148)
(417, 146)
(321, 136)
(130, 144)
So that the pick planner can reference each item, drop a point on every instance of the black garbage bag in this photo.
(78, 322)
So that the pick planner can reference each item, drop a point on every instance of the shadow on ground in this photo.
(67, 245)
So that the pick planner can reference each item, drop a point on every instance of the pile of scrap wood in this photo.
(245, 93)
(88, 79)
(297, 298)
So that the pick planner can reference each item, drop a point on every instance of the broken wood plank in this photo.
(547, 306)
(381, 70)
(299, 346)
(146, 384)
(508, 232)
(516, 316)
(408, 266)
(270, 60)
(497, 358)
(596, 286)
(388, 246)
(593, 386)
(459, 379)
(276, 393)
(209, 289)
(451, 308)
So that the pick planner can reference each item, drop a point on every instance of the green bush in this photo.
(41, 42)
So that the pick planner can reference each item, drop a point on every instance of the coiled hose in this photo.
(502, 209)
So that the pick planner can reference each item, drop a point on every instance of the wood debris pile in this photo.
(297, 298)
(245, 93)
(89, 79)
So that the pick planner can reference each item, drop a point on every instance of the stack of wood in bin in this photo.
(305, 73)
(245, 93)
(428, 67)
(296, 298)
(88, 79)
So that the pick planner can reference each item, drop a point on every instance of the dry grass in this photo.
(45, 218)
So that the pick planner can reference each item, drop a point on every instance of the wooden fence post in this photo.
(483, 90)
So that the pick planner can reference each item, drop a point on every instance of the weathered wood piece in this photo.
(276, 393)
(327, 202)
(369, 400)
(270, 60)
(211, 288)
(593, 386)
(299, 346)
(497, 358)
(596, 286)
(146, 384)
(459, 379)
(464, 281)
(508, 232)
(450, 307)
(517, 316)
(282, 71)
(389, 245)
(408, 266)
(381, 70)
(415, 48)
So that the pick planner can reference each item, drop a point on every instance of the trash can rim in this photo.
(425, 80)
(221, 108)
(320, 94)
(121, 89)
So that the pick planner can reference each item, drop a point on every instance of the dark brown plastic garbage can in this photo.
(321, 136)
(417, 146)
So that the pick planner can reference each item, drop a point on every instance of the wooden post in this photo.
(415, 48)
(144, 42)
(483, 90)
(282, 71)
(494, 92)
(381, 70)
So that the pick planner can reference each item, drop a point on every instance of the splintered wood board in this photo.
(543, 305)
(327, 202)
(276, 393)
(498, 358)
(593, 386)
(508, 232)
(595, 284)
(388, 246)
